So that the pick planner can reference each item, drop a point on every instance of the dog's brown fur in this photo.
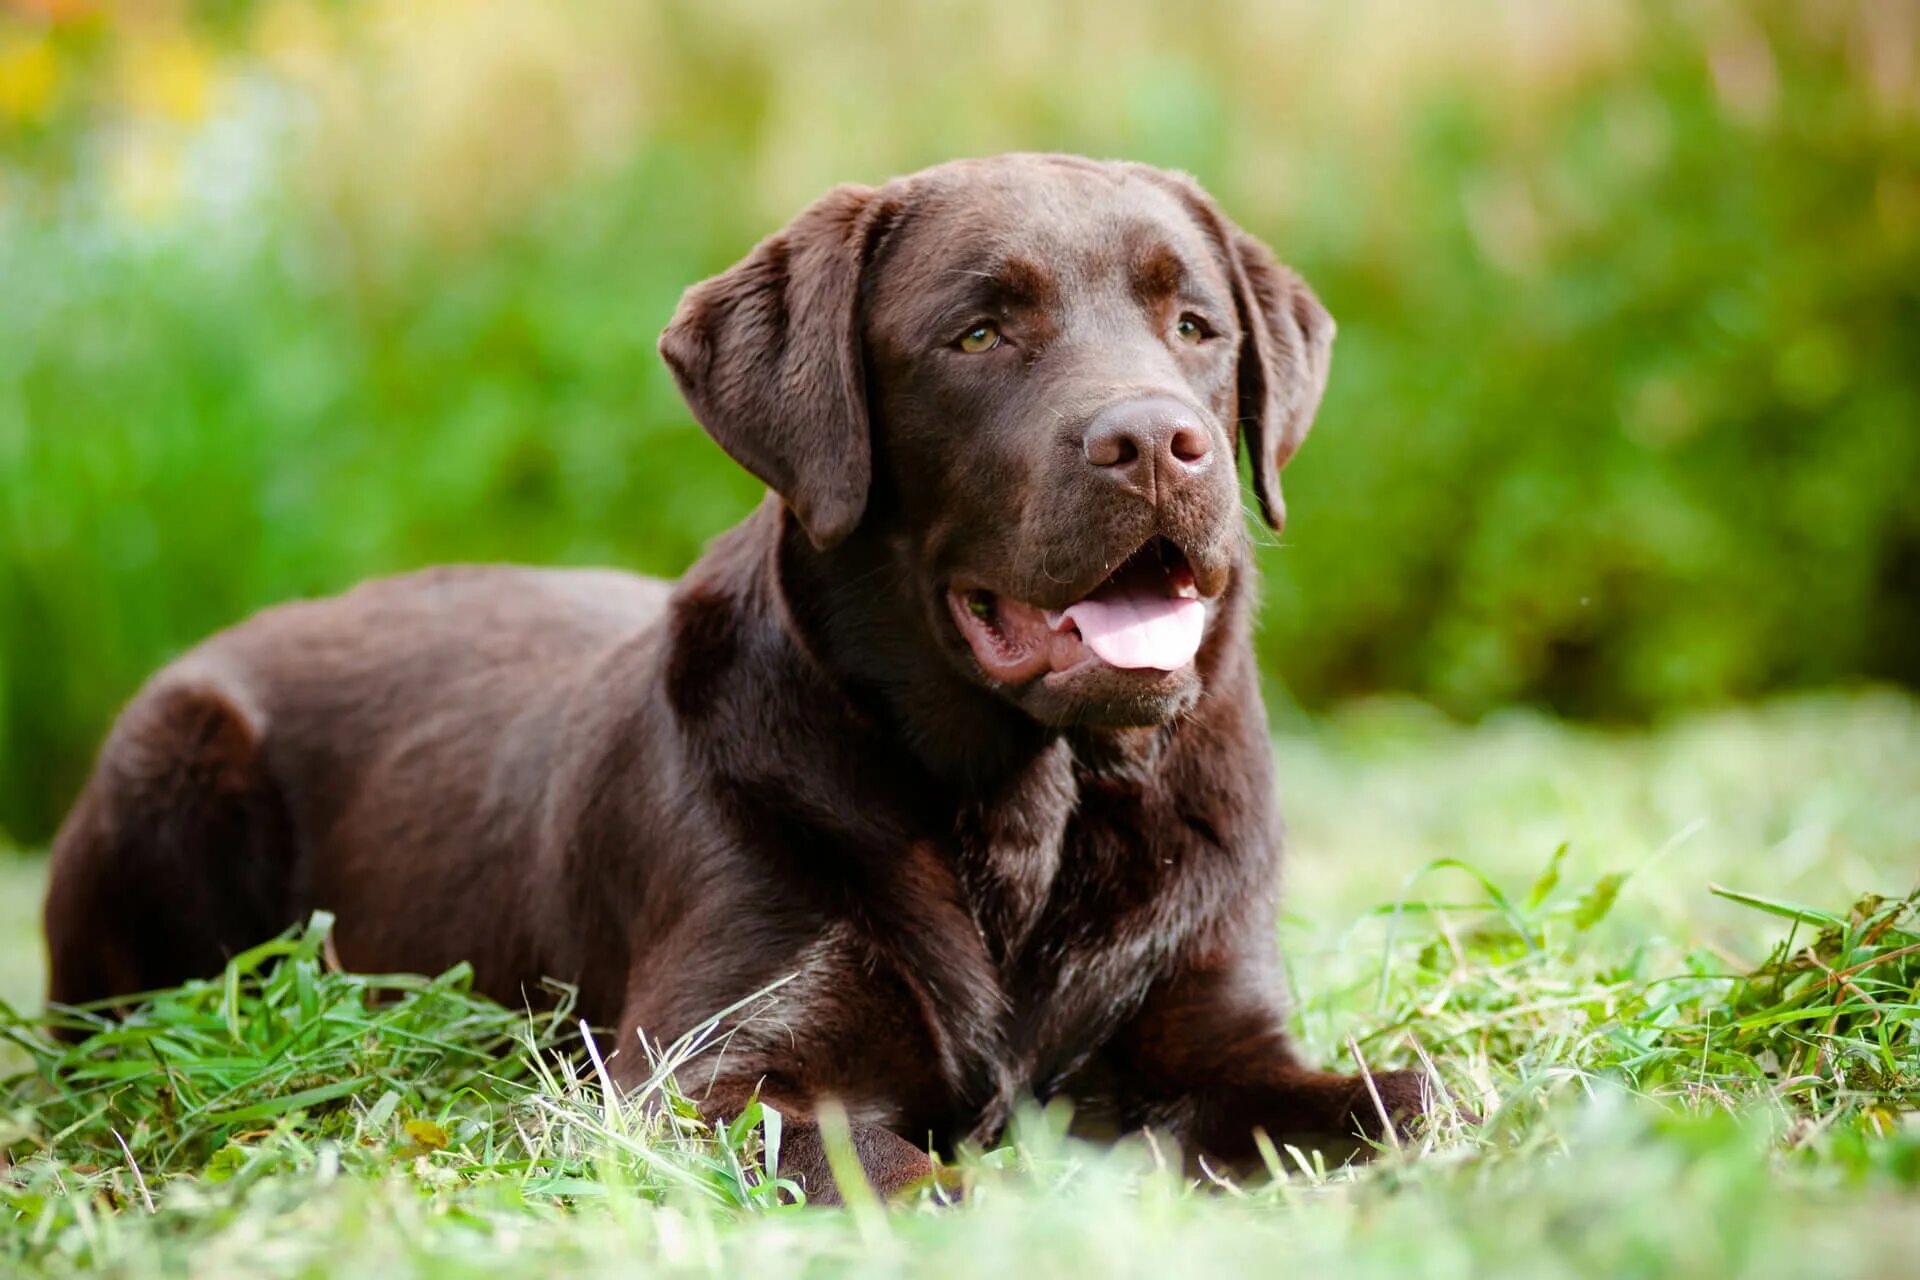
(789, 763)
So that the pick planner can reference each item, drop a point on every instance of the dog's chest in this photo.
(1008, 853)
(999, 954)
(1076, 893)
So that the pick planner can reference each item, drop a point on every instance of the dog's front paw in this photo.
(1396, 1099)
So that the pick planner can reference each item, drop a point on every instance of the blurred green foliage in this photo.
(1626, 403)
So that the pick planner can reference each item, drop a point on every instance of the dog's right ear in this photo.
(1285, 345)
(768, 356)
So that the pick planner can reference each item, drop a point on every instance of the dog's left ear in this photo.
(1285, 350)
(1286, 344)
(768, 356)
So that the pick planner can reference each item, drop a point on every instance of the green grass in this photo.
(1674, 1081)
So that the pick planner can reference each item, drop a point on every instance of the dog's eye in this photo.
(982, 337)
(1191, 329)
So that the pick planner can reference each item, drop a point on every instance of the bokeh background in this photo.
(1625, 418)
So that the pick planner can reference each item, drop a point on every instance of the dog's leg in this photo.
(176, 857)
(1208, 1058)
(893, 1167)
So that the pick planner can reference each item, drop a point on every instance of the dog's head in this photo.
(1028, 375)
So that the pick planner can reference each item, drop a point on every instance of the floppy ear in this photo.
(767, 355)
(1285, 348)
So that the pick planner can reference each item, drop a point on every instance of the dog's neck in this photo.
(852, 607)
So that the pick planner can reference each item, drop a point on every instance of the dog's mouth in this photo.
(1148, 615)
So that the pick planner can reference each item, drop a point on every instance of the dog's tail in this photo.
(178, 853)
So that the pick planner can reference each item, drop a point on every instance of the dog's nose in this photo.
(1149, 447)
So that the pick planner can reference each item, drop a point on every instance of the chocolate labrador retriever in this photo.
(958, 734)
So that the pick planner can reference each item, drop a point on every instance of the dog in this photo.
(957, 738)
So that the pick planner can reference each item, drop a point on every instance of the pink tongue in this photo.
(1140, 630)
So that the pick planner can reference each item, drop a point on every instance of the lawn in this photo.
(1673, 1080)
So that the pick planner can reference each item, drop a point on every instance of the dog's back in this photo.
(300, 727)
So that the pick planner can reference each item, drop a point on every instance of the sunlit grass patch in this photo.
(285, 1064)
